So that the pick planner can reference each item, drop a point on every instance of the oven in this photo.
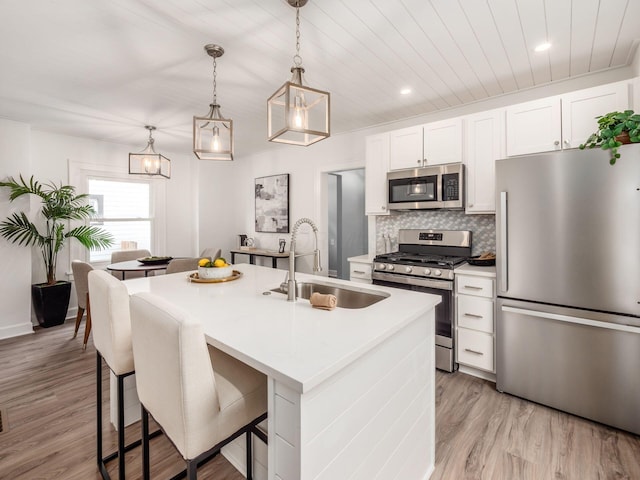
(425, 263)
(443, 314)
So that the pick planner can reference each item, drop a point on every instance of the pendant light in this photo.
(213, 134)
(148, 162)
(297, 114)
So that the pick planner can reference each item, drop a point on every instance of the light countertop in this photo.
(475, 270)
(298, 345)
(366, 258)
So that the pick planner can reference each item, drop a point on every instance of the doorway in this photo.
(347, 222)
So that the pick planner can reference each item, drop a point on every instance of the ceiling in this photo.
(104, 69)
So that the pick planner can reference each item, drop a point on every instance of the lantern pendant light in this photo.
(213, 134)
(148, 162)
(297, 114)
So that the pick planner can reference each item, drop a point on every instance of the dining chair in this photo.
(201, 397)
(112, 340)
(80, 278)
(212, 253)
(125, 256)
(182, 265)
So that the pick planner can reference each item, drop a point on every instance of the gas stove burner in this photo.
(404, 258)
(424, 255)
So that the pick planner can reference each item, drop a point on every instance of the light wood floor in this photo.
(47, 395)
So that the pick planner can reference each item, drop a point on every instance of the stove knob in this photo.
(427, 271)
(380, 266)
(437, 273)
(408, 269)
(389, 267)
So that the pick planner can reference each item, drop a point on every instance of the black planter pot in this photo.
(50, 302)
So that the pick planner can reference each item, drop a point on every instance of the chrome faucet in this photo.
(292, 287)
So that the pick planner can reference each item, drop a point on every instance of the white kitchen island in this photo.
(351, 391)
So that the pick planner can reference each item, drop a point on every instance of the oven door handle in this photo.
(419, 282)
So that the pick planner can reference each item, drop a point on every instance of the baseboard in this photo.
(477, 373)
(16, 330)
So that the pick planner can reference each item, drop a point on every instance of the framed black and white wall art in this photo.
(272, 204)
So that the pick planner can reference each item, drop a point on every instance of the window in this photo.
(124, 209)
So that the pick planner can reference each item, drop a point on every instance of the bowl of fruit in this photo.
(214, 269)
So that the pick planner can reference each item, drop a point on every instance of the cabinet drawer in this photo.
(475, 313)
(470, 285)
(475, 349)
(360, 270)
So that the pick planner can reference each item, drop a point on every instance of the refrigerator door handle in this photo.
(504, 267)
(570, 319)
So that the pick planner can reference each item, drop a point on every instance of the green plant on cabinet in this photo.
(614, 130)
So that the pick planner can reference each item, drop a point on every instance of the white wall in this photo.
(227, 189)
(47, 156)
(15, 281)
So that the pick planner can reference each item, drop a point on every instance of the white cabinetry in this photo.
(563, 121)
(580, 108)
(430, 144)
(443, 141)
(377, 165)
(360, 269)
(475, 324)
(483, 144)
(405, 148)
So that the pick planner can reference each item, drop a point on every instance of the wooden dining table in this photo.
(136, 266)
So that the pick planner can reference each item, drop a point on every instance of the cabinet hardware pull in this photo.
(473, 351)
(472, 315)
(358, 271)
(557, 142)
(473, 287)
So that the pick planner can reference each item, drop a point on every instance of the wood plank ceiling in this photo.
(105, 69)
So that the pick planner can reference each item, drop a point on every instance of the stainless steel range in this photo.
(424, 262)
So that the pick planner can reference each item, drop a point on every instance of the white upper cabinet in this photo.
(579, 110)
(484, 144)
(443, 141)
(377, 165)
(430, 144)
(563, 121)
(534, 127)
(405, 148)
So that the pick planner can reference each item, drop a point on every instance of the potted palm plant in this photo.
(614, 130)
(59, 204)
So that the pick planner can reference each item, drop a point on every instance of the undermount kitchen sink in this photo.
(346, 297)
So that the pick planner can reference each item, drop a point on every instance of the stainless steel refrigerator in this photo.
(568, 263)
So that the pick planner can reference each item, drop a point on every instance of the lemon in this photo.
(203, 262)
(220, 262)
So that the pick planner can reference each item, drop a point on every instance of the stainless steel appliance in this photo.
(424, 262)
(568, 308)
(439, 186)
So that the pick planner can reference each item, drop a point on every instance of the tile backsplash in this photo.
(483, 227)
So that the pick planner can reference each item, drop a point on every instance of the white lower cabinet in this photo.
(475, 349)
(360, 269)
(475, 320)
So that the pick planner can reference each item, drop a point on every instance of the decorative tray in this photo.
(196, 279)
(154, 260)
(481, 262)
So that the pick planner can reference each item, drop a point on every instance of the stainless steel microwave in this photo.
(439, 186)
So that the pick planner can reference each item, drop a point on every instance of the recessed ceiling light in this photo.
(542, 47)
(405, 91)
